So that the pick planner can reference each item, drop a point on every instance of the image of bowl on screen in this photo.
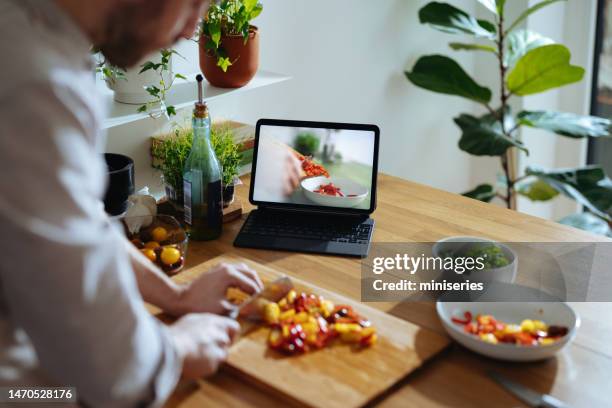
(334, 192)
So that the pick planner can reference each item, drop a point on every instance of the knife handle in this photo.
(549, 401)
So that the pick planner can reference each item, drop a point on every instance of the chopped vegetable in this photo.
(311, 168)
(330, 190)
(305, 322)
(467, 318)
(528, 333)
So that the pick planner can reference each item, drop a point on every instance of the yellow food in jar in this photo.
(170, 256)
(149, 253)
(159, 234)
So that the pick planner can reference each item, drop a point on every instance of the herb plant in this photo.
(528, 63)
(173, 150)
(227, 151)
(227, 18)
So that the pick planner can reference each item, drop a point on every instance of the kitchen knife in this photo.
(528, 396)
(272, 292)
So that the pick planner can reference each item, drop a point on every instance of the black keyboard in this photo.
(308, 232)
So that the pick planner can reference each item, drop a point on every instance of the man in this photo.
(71, 286)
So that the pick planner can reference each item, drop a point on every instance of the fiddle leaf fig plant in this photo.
(228, 17)
(528, 63)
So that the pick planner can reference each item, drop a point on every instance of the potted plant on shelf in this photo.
(146, 85)
(170, 152)
(229, 44)
(528, 63)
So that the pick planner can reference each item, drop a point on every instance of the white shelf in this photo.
(183, 94)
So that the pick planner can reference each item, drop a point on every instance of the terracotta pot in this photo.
(244, 58)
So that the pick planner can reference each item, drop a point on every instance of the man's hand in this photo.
(291, 174)
(201, 341)
(207, 293)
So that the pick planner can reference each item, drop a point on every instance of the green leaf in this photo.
(537, 190)
(147, 66)
(153, 90)
(170, 110)
(256, 12)
(249, 4)
(500, 6)
(521, 42)
(589, 186)
(566, 124)
(142, 108)
(180, 76)
(483, 192)
(530, 11)
(224, 63)
(441, 74)
(542, 69)
(449, 19)
(210, 45)
(214, 30)
(483, 136)
(472, 47)
(587, 222)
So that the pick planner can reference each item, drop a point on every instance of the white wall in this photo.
(347, 59)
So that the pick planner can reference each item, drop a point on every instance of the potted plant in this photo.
(527, 63)
(146, 85)
(170, 153)
(229, 156)
(229, 44)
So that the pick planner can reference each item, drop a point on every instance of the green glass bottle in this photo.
(202, 179)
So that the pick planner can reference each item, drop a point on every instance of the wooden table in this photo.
(580, 375)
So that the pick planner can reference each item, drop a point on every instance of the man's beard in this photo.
(126, 42)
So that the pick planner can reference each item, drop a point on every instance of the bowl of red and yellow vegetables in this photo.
(512, 331)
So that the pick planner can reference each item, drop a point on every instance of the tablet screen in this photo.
(315, 166)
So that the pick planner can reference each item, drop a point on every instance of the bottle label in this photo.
(187, 201)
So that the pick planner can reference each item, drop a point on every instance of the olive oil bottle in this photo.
(202, 179)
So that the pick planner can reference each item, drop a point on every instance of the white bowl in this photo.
(552, 313)
(505, 274)
(348, 187)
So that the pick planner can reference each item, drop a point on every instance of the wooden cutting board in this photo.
(338, 376)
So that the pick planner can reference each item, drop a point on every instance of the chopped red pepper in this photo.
(467, 318)
(330, 190)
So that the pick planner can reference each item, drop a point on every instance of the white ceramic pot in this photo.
(130, 88)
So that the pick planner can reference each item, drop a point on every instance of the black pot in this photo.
(228, 195)
(120, 183)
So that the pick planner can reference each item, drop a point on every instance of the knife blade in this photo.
(272, 292)
(528, 396)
